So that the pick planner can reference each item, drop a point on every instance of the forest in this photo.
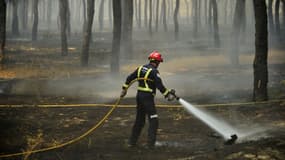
(63, 64)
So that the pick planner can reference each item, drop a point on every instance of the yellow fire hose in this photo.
(77, 138)
(108, 114)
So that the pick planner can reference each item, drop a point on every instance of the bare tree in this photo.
(270, 17)
(276, 19)
(117, 14)
(187, 11)
(49, 13)
(101, 15)
(87, 33)
(145, 13)
(175, 18)
(139, 14)
(15, 21)
(84, 14)
(195, 17)
(150, 18)
(261, 52)
(127, 30)
(24, 14)
(110, 13)
(3, 10)
(163, 11)
(36, 20)
(238, 22)
(216, 24)
(63, 25)
(283, 11)
(156, 15)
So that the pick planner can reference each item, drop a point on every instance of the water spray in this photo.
(225, 130)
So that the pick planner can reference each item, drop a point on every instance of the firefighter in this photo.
(148, 80)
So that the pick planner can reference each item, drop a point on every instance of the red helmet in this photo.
(155, 56)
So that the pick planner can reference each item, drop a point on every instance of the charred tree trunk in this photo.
(49, 13)
(15, 21)
(139, 14)
(216, 24)
(101, 15)
(110, 14)
(195, 17)
(127, 44)
(84, 14)
(150, 18)
(283, 11)
(163, 10)
(187, 11)
(226, 12)
(238, 22)
(117, 14)
(210, 17)
(87, 33)
(145, 13)
(261, 51)
(270, 17)
(68, 18)
(36, 20)
(3, 10)
(175, 18)
(156, 15)
(25, 4)
(277, 21)
(63, 26)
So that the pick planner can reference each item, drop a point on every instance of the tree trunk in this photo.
(49, 13)
(3, 10)
(199, 13)
(36, 20)
(261, 49)
(110, 14)
(277, 21)
(68, 18)
(150, 18)
(25, 4)
(15, 21)
(175, 18)
(139, 14)
(187, 11)
(63, 26)
(84, 15)
(195, 17)
(216, 25)
(156, 15)
(163, 9)
(117, 14)
(101, 15)
(145, 13)
(283, 11)
(226, 12)
(127, 46)
(210, 16)
(87, 33)
(238, 22)
(270, 17)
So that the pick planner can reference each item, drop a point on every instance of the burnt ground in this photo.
(181, 136)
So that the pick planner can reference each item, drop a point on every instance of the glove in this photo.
(123, 93)
(170, 95)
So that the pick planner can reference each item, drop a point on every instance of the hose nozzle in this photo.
(232, 140)
(172, 95)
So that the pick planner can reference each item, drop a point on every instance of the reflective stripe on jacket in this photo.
(151, 79)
